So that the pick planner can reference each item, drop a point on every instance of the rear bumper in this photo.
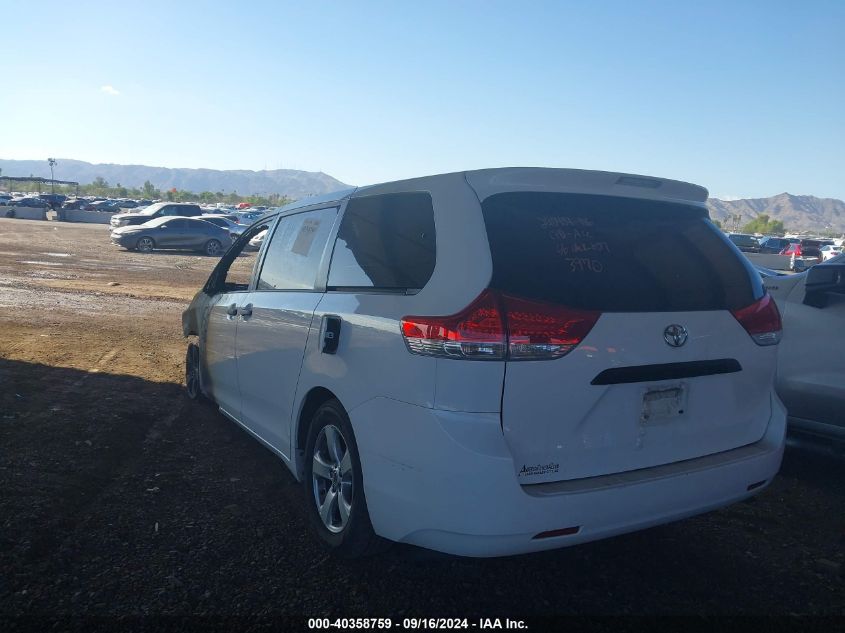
(445, 480)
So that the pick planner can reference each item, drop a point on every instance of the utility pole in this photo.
(52, 163)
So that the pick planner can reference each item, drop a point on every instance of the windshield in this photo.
(150, 210)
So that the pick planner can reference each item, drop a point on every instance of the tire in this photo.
(192, 372)
(213, 248)
(145, 244)
(332, 443)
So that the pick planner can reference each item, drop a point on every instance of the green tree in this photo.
(100, 185)
(764, 224)
(717, 223)
(149, 191)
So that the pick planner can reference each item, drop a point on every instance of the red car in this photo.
(804, 248)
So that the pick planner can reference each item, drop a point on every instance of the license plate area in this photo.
(663, 404)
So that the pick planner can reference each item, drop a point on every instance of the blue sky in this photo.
(745, 98)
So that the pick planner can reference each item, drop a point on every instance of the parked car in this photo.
(154, 211)
(829, 251)
(168, 233)
(232, 217)
(773, 245)
(250, 217)
(497, 361)
(803, 248)
(5, 199)
(223, 221)
(53, 200)
(30, 202)
(108, 206)
(811, 355)
(76, 203)
(804, 254)
(255, 242)
(745, 243)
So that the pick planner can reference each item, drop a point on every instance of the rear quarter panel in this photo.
(372, 360)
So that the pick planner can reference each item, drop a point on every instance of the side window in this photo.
(385, 242)
(168, 210)
(295, 251)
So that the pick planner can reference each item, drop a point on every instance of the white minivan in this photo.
(497, 361)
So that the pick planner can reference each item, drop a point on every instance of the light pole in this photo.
(52, 163)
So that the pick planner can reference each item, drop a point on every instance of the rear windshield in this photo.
(614, 254)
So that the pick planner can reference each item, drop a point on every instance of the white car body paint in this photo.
(811, 357)
(443, 441)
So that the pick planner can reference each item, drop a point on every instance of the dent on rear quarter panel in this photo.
(193, 316)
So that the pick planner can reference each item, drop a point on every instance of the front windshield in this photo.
(150, 210)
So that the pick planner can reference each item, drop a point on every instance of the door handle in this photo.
(232, 311)
(246, 311)
(331, 334)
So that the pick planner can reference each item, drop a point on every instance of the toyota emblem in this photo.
(675, 335)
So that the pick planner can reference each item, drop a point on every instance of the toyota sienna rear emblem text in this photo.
(675, 335)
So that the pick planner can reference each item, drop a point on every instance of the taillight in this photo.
(497, 327)
(538, 330)
(761, 320)
(475, 332)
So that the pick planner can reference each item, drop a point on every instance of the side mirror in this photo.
(823, 279)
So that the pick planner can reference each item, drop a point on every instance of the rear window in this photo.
(614, 254)
(385, 242)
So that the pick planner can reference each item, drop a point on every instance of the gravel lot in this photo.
(120, 497)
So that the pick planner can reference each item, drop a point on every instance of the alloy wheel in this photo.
(332, 478)
(213, 247)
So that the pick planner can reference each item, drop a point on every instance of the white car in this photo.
(256, 240)
(498, 361)
(829, 251)
(811, 356)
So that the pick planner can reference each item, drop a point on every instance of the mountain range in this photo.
(290, 182)
(798, 213)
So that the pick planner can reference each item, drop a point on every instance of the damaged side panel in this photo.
(193, 319)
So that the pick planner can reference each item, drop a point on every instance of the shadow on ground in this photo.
(120, 497)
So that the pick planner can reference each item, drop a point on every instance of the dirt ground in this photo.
(121, 497)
